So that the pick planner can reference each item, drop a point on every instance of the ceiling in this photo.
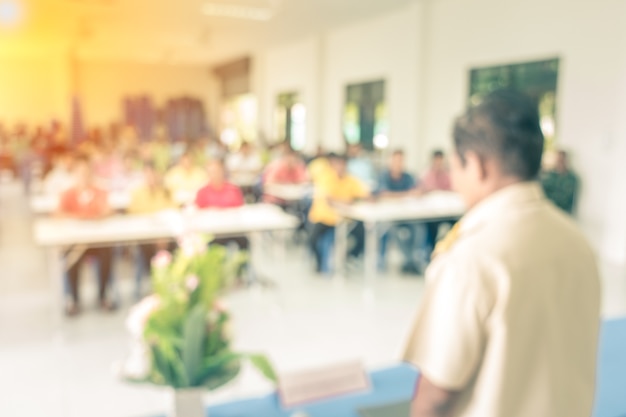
(175, 31)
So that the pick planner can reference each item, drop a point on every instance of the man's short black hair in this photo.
(438, 154)
(337, 157)
(504, 126)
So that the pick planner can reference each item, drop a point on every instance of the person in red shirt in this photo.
(86, 201)
(219, 193)
(289, 169)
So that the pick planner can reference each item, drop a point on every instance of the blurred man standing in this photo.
(561, 184)
(509, 322)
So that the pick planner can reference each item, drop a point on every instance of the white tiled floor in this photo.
(66, 371)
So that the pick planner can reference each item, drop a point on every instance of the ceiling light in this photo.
(238, 11)
(10, 12)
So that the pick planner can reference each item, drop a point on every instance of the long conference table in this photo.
(397, 384)
(56, 235)
(434, 206)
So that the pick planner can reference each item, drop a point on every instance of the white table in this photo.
(288, 192)
(56, 233)
(430, 207)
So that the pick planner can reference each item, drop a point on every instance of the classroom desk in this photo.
(430, 207)
(397, 383)
(55, 234)
(291, 193)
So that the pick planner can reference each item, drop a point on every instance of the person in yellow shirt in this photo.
(335, 186)
(150, 197)
(185, 178)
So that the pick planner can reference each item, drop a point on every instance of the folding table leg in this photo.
(371, 250)
(56, 274)
(341, 248)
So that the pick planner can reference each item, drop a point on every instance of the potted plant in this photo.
(181, 333)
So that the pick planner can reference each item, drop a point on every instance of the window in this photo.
(537, 79)
(365, 115)
(290, 120)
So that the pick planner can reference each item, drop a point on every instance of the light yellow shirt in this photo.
(145, 200)
(179, 180)
(511, 312)
(330, 186)
(318, 169)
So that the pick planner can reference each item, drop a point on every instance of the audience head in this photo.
(338, 163)
(151, 176)
(245, 148)
(63, 161)
(83, 171)
(498, 142)
(216, 171)
(186, 160)
(396, 163)
(562, 161)
(438, 160)
(355, 150)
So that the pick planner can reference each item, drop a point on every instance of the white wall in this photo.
(385, 47)
(589, 38)
(33, 90)
(104, 84)
(293, 67)
(320, 67)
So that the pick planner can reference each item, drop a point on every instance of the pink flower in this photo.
(140, 313)
(192, 245)
(192, 283)
(220, 306)
(162, 259)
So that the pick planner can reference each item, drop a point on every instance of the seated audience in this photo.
(220, 194)
(150, 197)
(361, 166)
(61, 177)
(437, 178)
(86, 201)
(185, 177)
(561, 184)
(289, 169)
(336, 187)
(244, 163)
(395, 182)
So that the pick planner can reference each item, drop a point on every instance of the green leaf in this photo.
(193, 341)
(264, 366)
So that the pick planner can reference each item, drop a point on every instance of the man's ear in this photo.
(476, 164)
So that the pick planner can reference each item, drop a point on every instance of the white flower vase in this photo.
(187, 403)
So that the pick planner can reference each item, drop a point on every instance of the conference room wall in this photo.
(384, 47)
(589, 39)
(104, 84)
(33, 90)
(321, 66)
(291, 67)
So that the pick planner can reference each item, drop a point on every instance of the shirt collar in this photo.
(501, 201)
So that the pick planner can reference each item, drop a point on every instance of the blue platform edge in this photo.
(398, 384)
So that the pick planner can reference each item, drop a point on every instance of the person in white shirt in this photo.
(244, 163)
(508, 324)
(61, 177)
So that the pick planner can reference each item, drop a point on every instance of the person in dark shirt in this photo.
(395, 182)
(561, 184)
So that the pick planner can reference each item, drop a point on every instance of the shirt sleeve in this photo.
(449, 333)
